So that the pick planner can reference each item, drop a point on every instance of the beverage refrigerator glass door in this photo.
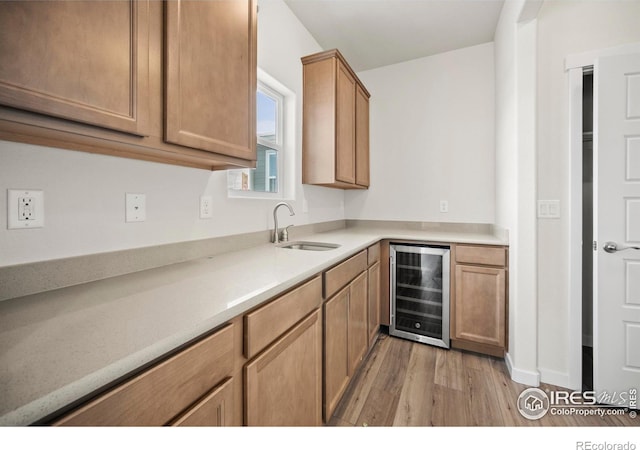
(420, 293)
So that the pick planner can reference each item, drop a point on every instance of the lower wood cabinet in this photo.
(346, 339)
(214, 410)
(478, 303)
(374, 302)
(283, 385)
(194, 385)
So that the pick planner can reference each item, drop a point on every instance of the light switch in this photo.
(548, 209)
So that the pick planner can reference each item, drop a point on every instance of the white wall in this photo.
(515, 179)
(564, 28)
(432, 139)
(84, 193)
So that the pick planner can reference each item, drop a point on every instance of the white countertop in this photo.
(59, 346)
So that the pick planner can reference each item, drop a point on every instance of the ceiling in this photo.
(375, 33)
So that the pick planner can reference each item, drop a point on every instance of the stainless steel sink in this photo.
(306, 245)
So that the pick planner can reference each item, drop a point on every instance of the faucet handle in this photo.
(284, 234)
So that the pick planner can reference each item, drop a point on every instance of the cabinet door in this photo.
(86, 61)
(211, 76)
(479, 305)
(336, 358)
(358, 322)
(214, 410)
(284, 383)
(362, 137)
(345, 125)
(374, 302)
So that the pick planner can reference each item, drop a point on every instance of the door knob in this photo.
(612, 247)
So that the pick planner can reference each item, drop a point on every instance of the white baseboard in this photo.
(554, 377)
(528, 377)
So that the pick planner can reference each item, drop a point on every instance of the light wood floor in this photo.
(405, 383)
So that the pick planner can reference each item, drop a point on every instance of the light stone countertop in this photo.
(59, 346)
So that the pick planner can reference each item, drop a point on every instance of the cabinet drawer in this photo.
(159, 394)
(480, 254)
(339, 276)
(373, 254)
(214, 410)
(265, 324)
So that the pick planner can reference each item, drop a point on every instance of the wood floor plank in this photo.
(360, 387)
(449, 371)
(483, 403)
(416, 397)
(380, 406)
(449, 408)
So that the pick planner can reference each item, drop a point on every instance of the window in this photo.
(267, 177)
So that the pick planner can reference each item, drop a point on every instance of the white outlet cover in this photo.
(35, 205)
(444, 206)
(206, 208)
(135, 207)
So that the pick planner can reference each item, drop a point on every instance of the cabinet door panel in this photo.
(336, 359)
(374, 301)
(358, 322)
(480, 305)
(284, 383)
(345, 130)
(86, 61)
(211, 101)
(214, 410)
(362, 137)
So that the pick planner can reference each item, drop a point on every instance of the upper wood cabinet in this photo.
(335, 140)
(211, 76)
(171, 82)
(85, 61)
(362, 137)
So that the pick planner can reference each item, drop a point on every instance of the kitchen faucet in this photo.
(276, 233)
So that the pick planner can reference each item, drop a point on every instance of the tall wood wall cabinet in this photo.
(335, 140)
(173, 82)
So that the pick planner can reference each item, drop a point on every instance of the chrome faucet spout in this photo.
(276, 235)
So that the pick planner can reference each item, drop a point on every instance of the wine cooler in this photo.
(420, 293)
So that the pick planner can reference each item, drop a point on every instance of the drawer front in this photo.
(373, 254)
(342, 274)
(214, 410)
(159, 394)
(265, 324)
(480, 254)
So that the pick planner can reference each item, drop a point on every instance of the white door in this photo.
(617, 221)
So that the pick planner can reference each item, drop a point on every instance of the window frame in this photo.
(274, 90)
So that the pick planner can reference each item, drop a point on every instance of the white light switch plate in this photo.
(25, 208)
(548, 209)
(135, 207)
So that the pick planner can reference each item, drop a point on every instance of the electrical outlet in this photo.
(135, 207)
(25, 208)
(444, 206)
(206, 210)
